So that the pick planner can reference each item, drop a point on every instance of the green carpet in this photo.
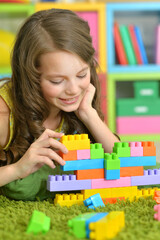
(15, 215)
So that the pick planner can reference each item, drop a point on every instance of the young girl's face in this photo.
(64, 80)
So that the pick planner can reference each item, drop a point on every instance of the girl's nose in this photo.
(72, 87)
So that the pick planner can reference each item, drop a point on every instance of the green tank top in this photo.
(35, 185)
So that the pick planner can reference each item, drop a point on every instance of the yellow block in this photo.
(76, 142)
(69, 199)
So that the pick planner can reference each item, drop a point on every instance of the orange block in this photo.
(112, 200)
(131, 171)
(89, 174)
(70, 156)
(149, 149)
(156, 196)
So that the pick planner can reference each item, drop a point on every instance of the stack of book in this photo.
(129, 45)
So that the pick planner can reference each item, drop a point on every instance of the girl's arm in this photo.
(98, 129)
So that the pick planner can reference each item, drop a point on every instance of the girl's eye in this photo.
(56, 82)
(82, 76)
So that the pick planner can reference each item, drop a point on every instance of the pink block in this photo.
(136, 149)
(138, 125)
(83, 154)
(102, 183)
(157, 209)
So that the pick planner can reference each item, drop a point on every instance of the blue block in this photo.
(83, 164)
(94, 201)
(137, 161)
(112, 174)
(94, 218)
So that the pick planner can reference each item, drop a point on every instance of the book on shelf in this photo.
(141, 45)
(127, 44)
(119, 48)
(157, 46)
(135, 44)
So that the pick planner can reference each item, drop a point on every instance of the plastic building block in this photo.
(94, 218)
(146, 192)
(136, 149)
(70, 156)
(102, 183)
(112, 174)
(69, 199)
(59, 183)
(39, 223)
(83, 154)
(76, 142)
(111, 161)
(96, 151)
(89, 174)
(149, 149)
(78, 225)
(157, 215)
(94, 201)
(150, 177)
(131, 171)
(156, 196)
(113, 200)
(107, 227)
(122, 149)
(137, 161)
(83, 164)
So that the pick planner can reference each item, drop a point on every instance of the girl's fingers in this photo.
(51, 143)
(50, 154)
(49, 134)
(47, 161)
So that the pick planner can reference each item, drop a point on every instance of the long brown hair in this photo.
(44, 32)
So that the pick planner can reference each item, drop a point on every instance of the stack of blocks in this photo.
(114, 175)
(97, 225)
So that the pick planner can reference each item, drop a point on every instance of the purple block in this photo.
(136, 149)
(150, 177)
(66, 183)
(83, 154)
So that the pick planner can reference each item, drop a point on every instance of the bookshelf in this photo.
(144, 124)
(11, 17)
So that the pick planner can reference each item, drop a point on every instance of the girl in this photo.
(54, 89)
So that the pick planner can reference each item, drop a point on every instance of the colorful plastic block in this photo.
(94, 201)
(113, 200)
(107, 227)
(157, 214)
(137, 161)
(83, 154)
(76, 142)
(78, 225)
(94, 218)
(150, 177)
(70, 156)
(39, 223)
(131, 171)
(96, 151)
(89, 174)
(112, 174)
(102, 183)
(156, 196)
(122, 149)
(69, 199)
(59, 183)
(145, 192)
(83, 164)
(111, 161)
(136, 149)
(149, 149)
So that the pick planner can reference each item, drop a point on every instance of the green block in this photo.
(146, 89)
(122, 149)
(138, 107)
(111, 161)
(39, 223)
(96, 151)
(78, 225)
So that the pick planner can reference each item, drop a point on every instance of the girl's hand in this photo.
(86, 103)
(42, 151)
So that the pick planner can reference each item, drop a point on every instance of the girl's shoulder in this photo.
(4, 122)
(3, 106)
